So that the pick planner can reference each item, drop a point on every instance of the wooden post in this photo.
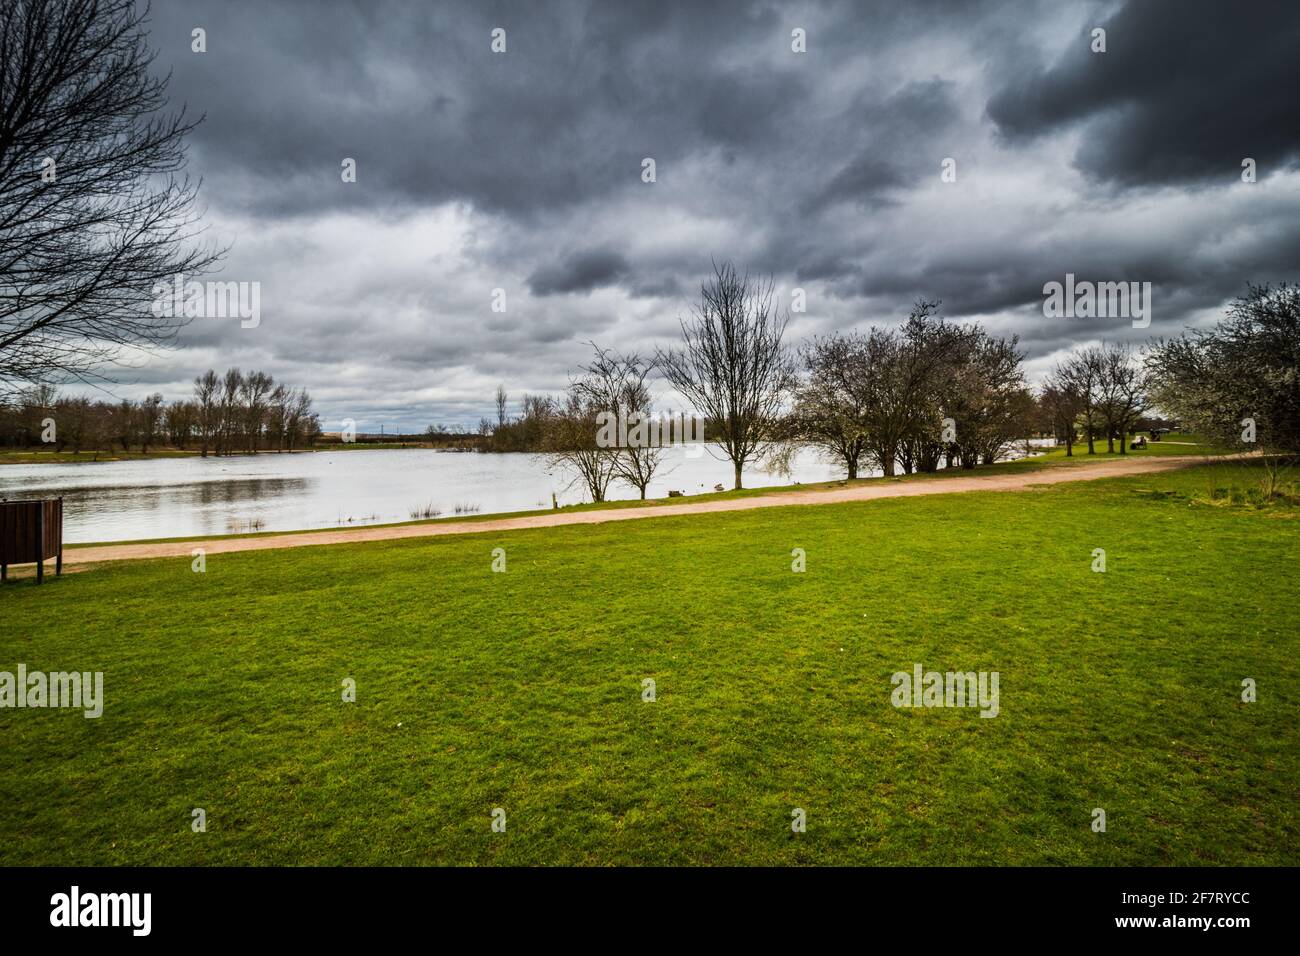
(40, 543)
(58, 565)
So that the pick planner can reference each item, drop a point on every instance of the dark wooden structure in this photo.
(31, 531)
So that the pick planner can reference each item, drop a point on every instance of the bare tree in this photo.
(205, 397)
(35, 404)
(989, 404)
(125, 415)
(93, 215)
(896, 386)
(732, 365)
(148, 418)
(1081, 375)
(1062, 405)
(1120, 393)
(303, 423)
(570, 440)
(277, 417)
(828, 412)
(73, 417)
(254, 393)
(228, 411)
(616, 385)
(178, 421)
(501, 405)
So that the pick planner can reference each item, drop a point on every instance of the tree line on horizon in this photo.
(230, 414)
(927, 394)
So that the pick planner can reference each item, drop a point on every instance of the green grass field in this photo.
(523, 691)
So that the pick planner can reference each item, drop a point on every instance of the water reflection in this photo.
(195, 492)
(175, 497)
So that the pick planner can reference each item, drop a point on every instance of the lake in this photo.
(182, 497)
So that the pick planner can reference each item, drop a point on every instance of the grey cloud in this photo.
(1185, 90)
(580, 272)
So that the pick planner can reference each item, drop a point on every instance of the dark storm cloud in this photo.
(414, 93)
(522, 171)
(580, 272)
(1185, 90)
(867, 181)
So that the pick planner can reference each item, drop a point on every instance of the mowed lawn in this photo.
(523, 691)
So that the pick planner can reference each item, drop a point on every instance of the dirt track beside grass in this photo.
(901, 488)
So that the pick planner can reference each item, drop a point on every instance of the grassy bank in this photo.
(522, 690)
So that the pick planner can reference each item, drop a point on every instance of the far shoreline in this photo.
(31, 457)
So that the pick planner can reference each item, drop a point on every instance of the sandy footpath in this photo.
(1113, 468)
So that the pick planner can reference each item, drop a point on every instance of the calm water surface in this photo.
(177, 497)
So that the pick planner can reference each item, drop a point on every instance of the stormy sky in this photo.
(522, 171)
